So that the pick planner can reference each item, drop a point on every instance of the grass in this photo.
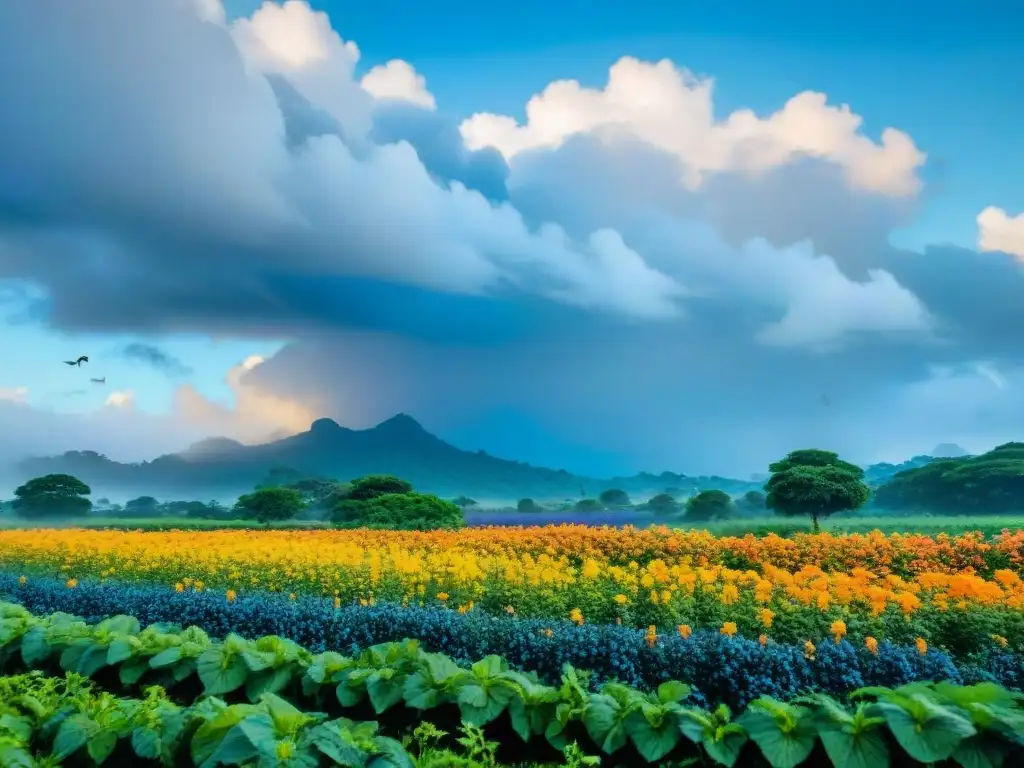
(758, 526)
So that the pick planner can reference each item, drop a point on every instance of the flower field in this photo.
(734, 619)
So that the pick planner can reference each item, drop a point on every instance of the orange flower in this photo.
(685, 631)
(762, 639)
(179, 587)
(1001, 641)
(730, 594)
(442, 596)
(728, 629)
(871, 644)
(652, 636)
(71, 583)
(766, 616)
(231, 595)
(809, 650)
(921, 645)
(838, 630)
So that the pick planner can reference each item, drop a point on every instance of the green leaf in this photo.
(866, 749)
(673, 691)
(146, 743)
(220, 720)
(980, 752)
(243, 742)
(652, 742)
(270, 681)
(781, 748)
(221, 672)
(419, 691)
(35, 648)
(73, 734)
(333, 740)
(166, 657)
(726, 744)
(91, 661)
(101, 745)
(120, 625)
(480, 704)
(121, 650)
(389, 754)
(385, 692)
(931, 736)
(603, 721)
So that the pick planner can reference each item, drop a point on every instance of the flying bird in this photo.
(99, 381)
(78, 362)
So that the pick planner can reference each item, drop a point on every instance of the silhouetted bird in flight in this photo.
(78, 362)
(99, 381)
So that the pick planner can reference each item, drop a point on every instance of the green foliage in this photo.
(815, 483)
(662, 504)
(754, 502)
(270, 504)
(991, 483)
(52, 496)
(144, 506)
(399, 511)
(588, 505)
(708, 505)
(613, 497)
(372, 486)
(527, 505)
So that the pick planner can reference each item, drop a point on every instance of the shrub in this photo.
(399, 511)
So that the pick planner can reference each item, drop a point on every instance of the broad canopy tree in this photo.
(269, 505)
(56, 495)
(815, 483)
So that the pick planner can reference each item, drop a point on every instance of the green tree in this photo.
(55, 495)
(588, 505)
(613, 497)
(270, 504)
(399, 511)
(663, 504)
(708, 505)
(527, 505)
(815, 483)
(144, 506)
(754, 501)
(371, 486)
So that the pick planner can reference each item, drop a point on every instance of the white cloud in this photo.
(254, 416)
(998, 231)
(672, 110)
(121, 398)
(398, 80)
(15, 394)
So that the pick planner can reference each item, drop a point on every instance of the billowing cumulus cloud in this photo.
(998, 231)
(623, 271)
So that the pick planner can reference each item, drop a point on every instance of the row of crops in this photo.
(380, 649)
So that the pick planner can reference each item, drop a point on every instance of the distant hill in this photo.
(949, 451)
(990, 483)
(399, 446)
(876, 474)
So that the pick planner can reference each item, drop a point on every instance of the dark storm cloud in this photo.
(152, 355)
(698, 329)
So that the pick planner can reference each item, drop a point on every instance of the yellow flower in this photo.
(685, 631)
(838, 630)
(666, 596)
(921, 645)
(652, 636)
(1001, 641)
(231, 595)
(809, 650)
(337, 603)
(763, 639)
(23, 580)
(71, 583)
(576, 616)
(766, 616)
(510, 610)
(730, 594)
(179, 587)
(728, 629)
(871, 644)
(442, 596)
(621, 599)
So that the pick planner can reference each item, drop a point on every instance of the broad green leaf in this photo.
(270, 681)
(220, 719)
(73, 734)
(726, 744)
(385, 692)
(603, 721)
(243, 742)
(146, 743)
(419, 691)
(35, 648)
(981, 752)
(120, 625)
(673, 691)
(166, 657)
(334, 741)
(928, 739)
(441, 668)
(489, 666)
(389, 754)
(121, 650)
(101, 745)
(287, 719)
(221, 672)
(866, 749)
(652, 742)
(781, 748)
(480, 704)
(91, 661)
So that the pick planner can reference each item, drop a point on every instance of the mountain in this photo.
(217, 467)
(880, 473)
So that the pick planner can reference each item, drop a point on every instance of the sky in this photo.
(686, 237)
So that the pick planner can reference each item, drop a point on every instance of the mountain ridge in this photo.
(399, 445)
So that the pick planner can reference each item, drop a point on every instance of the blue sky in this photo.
(196, 283)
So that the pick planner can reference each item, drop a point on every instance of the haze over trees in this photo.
(707, 506)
